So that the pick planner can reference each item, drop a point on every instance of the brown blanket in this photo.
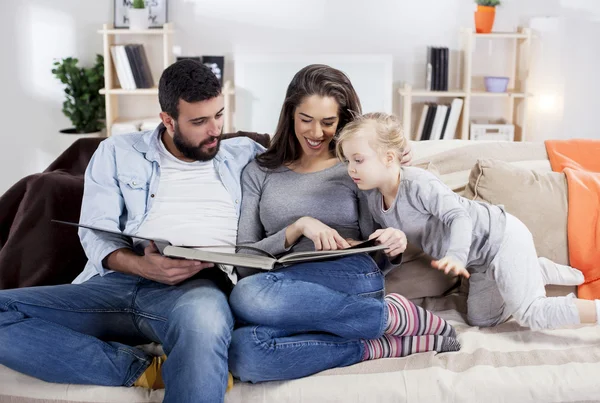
(34, 251)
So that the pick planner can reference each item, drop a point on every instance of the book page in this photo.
(327, 254)
(237, 259)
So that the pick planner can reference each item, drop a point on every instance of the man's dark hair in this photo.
(189, 80)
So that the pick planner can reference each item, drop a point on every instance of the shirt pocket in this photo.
(135, 194)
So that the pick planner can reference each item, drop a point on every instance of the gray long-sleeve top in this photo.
(441, 222)
(274, 199)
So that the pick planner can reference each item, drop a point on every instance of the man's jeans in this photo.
(306, 318)
(83, 333)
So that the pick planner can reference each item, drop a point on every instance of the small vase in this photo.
(484, 19)
(138, 18)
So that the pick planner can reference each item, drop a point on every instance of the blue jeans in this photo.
(306, 318)
(83, 333)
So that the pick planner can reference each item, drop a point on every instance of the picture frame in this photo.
(158, 13)
(216, 64)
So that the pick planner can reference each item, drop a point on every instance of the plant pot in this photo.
(67, 137)
(138, 18)
(484, 19)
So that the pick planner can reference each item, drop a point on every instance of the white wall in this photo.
(36, 31)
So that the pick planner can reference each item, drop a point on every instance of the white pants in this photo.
(513, 285)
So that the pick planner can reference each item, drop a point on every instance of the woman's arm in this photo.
(251, 231)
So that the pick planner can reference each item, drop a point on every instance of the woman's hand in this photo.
(324, 237)
(393, 238)
(352, 242)
(449, 265)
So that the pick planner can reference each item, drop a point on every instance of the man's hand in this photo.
(154, 266)
(324, 237)
(393, 238)
(449, 265)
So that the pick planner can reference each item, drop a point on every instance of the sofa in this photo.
(507, 363)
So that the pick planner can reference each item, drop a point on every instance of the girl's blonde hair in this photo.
(387, 133)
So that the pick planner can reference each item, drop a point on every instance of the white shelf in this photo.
(502, 35)
(227, 90)
(515, 99)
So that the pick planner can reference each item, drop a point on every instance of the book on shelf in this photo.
(436, 69)
(132, 66)
(264, 262)
(439, 121)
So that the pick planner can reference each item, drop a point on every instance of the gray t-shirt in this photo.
(441, 222)
(274, 199)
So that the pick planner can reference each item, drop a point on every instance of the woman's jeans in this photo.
(306, 318)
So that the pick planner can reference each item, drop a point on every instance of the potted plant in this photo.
(485, 15)
(138, 15)
(84, 105)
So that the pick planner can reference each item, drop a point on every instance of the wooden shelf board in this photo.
(121, 91)
(126, 31)
(502, 35)
(499, 94)
(426, 93)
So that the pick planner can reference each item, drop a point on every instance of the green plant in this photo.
(489, 3)
(84, 105)
(138, 4)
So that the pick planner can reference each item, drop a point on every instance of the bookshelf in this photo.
(516, 94)
(111, 92)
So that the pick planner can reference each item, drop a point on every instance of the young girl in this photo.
(473, 239)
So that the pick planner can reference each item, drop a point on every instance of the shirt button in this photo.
(152, 195)
(133, 183)
(236, 201)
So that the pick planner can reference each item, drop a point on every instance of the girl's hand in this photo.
(393, 238)
(407, 155)
(449, 265)
(324, 237)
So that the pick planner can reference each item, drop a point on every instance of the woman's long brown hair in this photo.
(315, 79)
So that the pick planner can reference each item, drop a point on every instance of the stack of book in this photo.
(438, 121)
(437, 69)
(131, 64)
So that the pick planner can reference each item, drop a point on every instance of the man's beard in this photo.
(195, 152)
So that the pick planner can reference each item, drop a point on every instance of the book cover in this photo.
(266, 262)
(134, 66)
(429, 122)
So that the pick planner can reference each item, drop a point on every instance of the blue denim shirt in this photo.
(122, 179)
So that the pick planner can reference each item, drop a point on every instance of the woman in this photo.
(309, 317)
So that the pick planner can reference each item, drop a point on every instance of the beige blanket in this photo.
(503, 364)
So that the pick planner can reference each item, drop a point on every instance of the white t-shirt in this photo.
(191, 206)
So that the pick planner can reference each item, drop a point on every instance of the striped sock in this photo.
(400, 346)
(408, 319)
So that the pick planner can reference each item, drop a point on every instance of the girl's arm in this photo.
(437, 199)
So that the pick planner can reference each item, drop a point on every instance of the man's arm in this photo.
(102, 206)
